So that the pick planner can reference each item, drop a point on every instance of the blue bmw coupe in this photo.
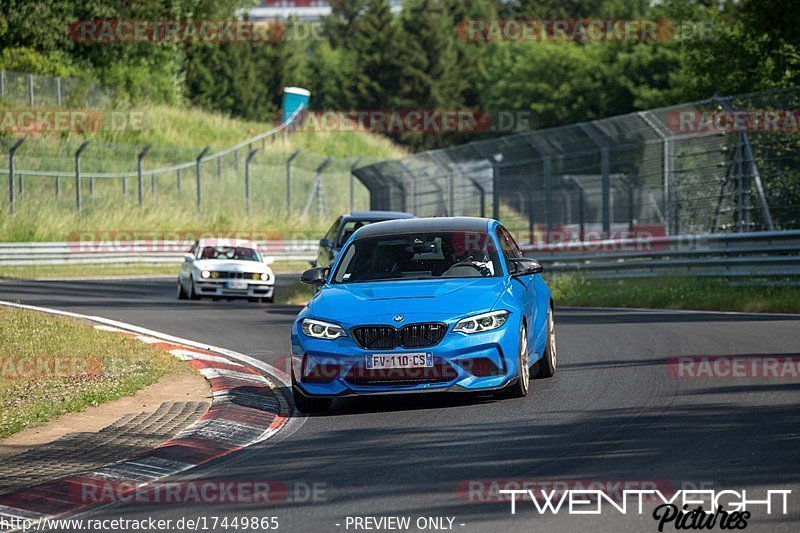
(423, 305)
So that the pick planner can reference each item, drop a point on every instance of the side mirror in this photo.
(526, 267)
(315, 276)
(324, 242)
(188, 257)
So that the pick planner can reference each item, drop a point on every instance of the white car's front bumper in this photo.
(221, 288)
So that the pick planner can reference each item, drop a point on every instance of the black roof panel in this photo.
(423, 225)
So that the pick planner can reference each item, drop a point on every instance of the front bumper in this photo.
(461, 363)
(214, 288)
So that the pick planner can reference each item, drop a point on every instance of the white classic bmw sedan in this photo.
(220, 268)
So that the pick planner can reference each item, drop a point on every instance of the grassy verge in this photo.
(50, 366)
(100, 271)
(675, 293)
(297, 294)
(280, 207)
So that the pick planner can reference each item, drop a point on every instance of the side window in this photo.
(331, 234)
(508, 247)
(514, 245)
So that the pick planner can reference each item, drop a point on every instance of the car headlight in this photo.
(264, 277)
(322, 330)
(215, 275)
(482, 322)
(205, 274)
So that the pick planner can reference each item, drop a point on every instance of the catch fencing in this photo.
(22, 89)
(671, 171)
(256, 176)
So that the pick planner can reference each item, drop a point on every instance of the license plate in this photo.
(400, 360)
(237, 284)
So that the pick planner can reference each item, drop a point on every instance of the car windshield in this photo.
(349, 228)
(419, 256)
(236, 253)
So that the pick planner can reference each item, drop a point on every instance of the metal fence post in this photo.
(667, 160)
(11, 153)
(548, 196)
(247, 161)
(752, 168)
(581, 200)
(91, 185)
(178, 176)
(124, 186)
(58, 186)
(31, 100)
(199, 163)
(59, 95)
(353, 182)
(289, 182)
(605, 171)
(219, 167)
(482, 192)
(497, 160)
(2, 83)
(317, 192)
(139, 173)
(78, 153)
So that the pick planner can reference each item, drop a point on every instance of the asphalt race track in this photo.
(614, 412)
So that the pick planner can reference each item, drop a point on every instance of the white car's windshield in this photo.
(419, 256)
(237, 253)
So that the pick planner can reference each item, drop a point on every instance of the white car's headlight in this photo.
(264, 277)
(205, 274)
(482, 322)
(321, 330)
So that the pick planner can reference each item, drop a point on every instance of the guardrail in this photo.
(134, 252)
(765, 254)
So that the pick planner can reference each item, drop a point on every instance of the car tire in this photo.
(192, 294)
(522, 386)
(546, 366)
(181, 292)
(304, 404)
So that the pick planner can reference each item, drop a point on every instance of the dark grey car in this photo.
(341, 230)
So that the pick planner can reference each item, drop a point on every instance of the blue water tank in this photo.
(293, 99)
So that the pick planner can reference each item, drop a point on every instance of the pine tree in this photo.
(430, 78)
(375, 47)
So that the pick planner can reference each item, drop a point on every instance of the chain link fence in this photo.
(21, 89)
(256, 178)
(684, 169)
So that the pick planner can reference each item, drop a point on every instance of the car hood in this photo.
(228, 265)
(414, 299)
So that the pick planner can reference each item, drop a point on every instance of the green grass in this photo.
(176, 136)
(98, 271)
(674, 293)
(297, 294)
(103, 366)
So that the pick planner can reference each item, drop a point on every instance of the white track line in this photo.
(279, 374)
